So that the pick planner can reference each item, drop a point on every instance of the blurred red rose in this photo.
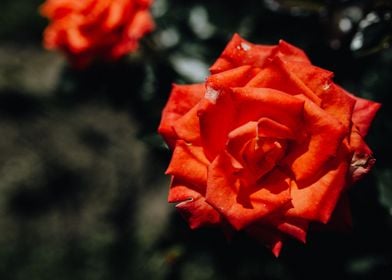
(95, 29)
(267, 144)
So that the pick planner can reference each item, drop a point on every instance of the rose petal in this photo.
(189, 164)
(315, 78)
(362, 159)
(95, 29)
(236, 77)
(140, 25)
(192, 206)
(187, 127)
(114, 16)
(325, 137)
(243, 205)
(57, 9)
(254, 103)
(272, 129)
(341, 217)
(270, 238)
(238, 137)
(276, 75)
(316, 201)
(182, 99)
(289, 52)
(259, 157)
(364, 113)
(216, 110)
(77, 42)
(296, 228)
(240, 52)
(216, 121)
(338, 104)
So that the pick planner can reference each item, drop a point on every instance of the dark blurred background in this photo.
(82, 185)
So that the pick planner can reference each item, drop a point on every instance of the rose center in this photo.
(260, 156)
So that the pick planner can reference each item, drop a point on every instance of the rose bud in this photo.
(92, 30)
(267, 145)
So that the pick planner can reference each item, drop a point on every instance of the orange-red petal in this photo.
(251, 104)
(242, 205)
(316, 201)
(189, 164)
(182, 99)
(364, 113)
(325, 135)
(240, 52)
(192, 205)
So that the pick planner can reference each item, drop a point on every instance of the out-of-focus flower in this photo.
(268, 144)
(92, 30)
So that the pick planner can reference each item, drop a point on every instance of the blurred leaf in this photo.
(385, 188)
(374, 33)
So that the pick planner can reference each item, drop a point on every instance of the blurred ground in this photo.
(82, 185)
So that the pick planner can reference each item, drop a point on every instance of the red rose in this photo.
(267, 144)
(95, 29)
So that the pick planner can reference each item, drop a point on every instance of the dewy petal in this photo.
(217, 110)
(335, 101)
(316, 201)
(315, 78)
(189, 164)
(243, 205)
(325, 137)
(241, 52)
(192, 205)
(338, 104)
(182, 99)
(254, 103)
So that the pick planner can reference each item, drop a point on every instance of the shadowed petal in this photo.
(270, 238)
(325, 135)
(317, 200)
(192, 205)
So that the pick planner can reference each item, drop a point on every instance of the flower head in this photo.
(95, 29)
(267, 145)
